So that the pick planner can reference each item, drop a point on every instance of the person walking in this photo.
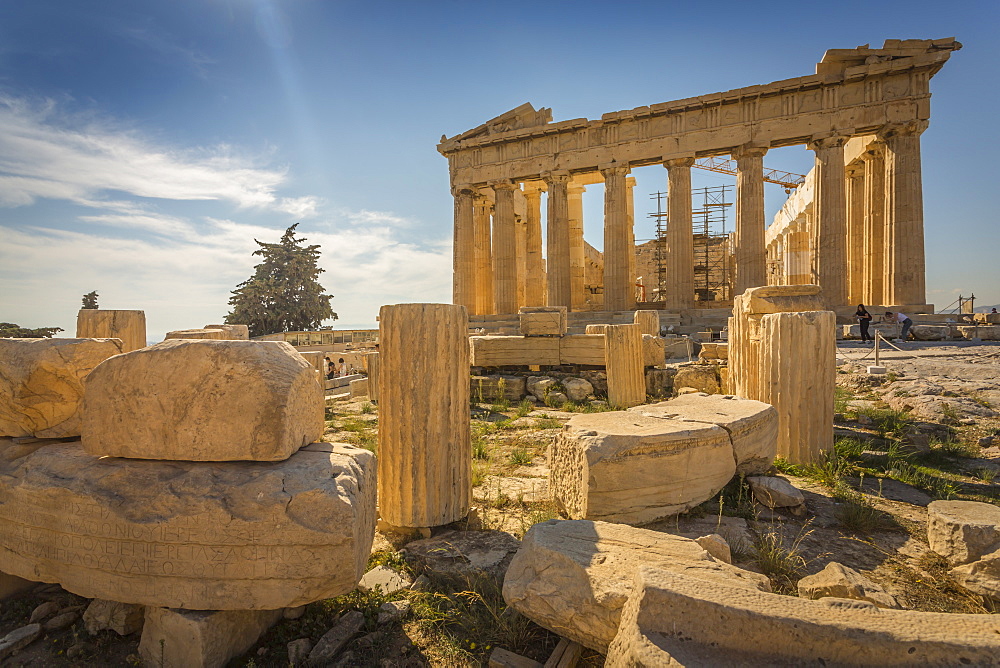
(902, 319)
(864, 319)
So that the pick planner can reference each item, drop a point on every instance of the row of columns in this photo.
(865, 226)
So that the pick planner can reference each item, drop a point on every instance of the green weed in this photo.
(519, 457)
(781, 562)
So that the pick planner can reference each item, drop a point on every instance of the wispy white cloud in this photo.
(47, 154)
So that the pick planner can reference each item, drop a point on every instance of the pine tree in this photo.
(90, 300)
(283, 295)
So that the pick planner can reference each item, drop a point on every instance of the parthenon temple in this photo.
(855, 227)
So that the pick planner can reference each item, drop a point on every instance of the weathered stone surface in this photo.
(386, 579)
(298, 651)
(18, 639)
(489, 388)
(981, 576)
(359, 387)
(752, 425)
(317, 359)
(463, 553)
(393, 611)
(540, 386)
(235, 332)
(425, 441)
(11, 584)
(648, 321)
(122, 618)
(203, 401)
(573, 577)
(839, 581)
(701, 377)
(502, 658)
(41, 384)
(129, 327)
(174, 638)
(981, 332)
(577, 389)
(237, 535)
(624, 362)
(931, 332)
(211, 334)
(334, 640)
(627, 467)
(672, 618)
(495, 488)
(63, 620)
(43, 612)
(963, 531)
(775, 492)
(491, 351)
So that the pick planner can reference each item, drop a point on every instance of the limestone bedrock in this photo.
(674, 619)
(41, 384)
(752, 425)
(573, 576)
(198, 400)
(204, 536)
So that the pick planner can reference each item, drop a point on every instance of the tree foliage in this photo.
(90, 300)
(283, 295)
(9, 330)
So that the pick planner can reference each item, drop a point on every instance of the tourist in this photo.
(341, 367)
(904, 320)
(331, 368)
(994, 310)
(864, 318)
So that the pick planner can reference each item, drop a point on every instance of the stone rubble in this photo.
(839, 581)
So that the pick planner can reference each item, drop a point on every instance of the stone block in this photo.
(41, 384)
(175, 638)
(317, 359)
(122, 618)
(714, 351)
(648, 321)
(387, 580)
(577, 389)
(628, 467)
(334, 640)
(463, 554)
(210, 334)
(775, 492)
(203, 401)
(209, 536)
(540, 386)
(700, 377)
(19, 639)
(963, 531)
(717, 546)
(542, 320)
(752, 425)
(492, 351)
(988, 318)
(672, 618)
(573, 577)
(585, 349)
(359, 387)
(930, 332)
(488, 388)
(981, 332)
(11, 585)
(981, 576)
(839, 581)
(502, 658)
(235, 332)
(677, 347)
(129, 327)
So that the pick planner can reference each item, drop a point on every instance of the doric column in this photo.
(623, 362)
(521, 257)
(463, 274)
(830, 228)
(577, 256)
(874, 251)
(425, 451)
(630, 213)
(504, 249)
(904, 214)
(749, 252)
(618, 284)
(557, 241)
(856, 233)
(534, 294)
(481, 213)
(680, 237)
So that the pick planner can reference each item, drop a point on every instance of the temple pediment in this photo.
(524, 116)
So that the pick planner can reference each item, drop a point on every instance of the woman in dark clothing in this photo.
(864, 318)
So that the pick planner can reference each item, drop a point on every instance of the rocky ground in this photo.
(926, 430)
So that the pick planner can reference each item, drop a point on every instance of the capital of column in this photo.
(855, 170)
(910, 128)
(560, 177)
(614, 169)
(748, 151)
(875, 151)
(503, 184)
(534, 188)
(678, 162)
(832, 141)
(463, 191)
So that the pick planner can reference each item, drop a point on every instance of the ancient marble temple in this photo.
(858, 233)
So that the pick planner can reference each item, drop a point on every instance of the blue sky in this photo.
(143, 145)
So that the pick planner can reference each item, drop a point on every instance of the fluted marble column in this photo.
(482, 212)
(680, 237)
(874, 268)
(618, 284)
(830, 228)
(534, 294)
(856, 233)
(630, 213)
(904, 214)
(557, 241)
(521, 258)
(577, 256)
(798, 251)
(751, 270)
(504, 249)
(463, 255)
